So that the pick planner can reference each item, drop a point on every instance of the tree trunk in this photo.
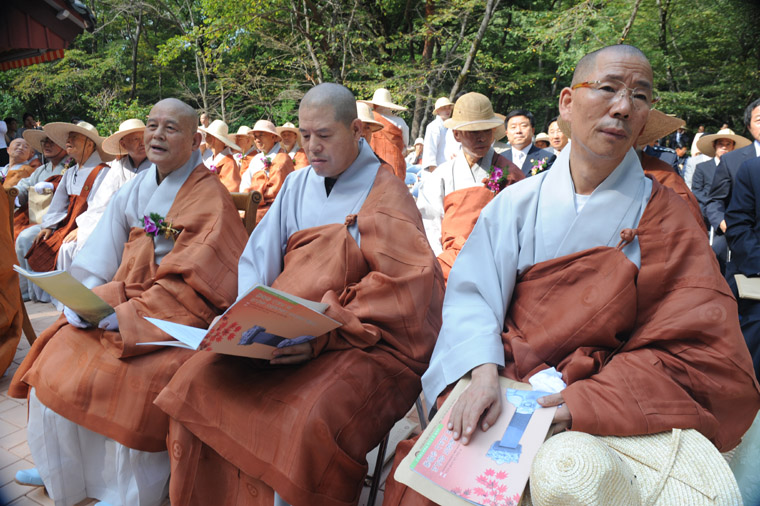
(663, 43)
(136, 43)
(629, 25)
(418, 120)
(491, 6)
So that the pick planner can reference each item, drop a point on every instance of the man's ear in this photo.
(197, 139)
(566, 103)
(356, 129)
(457, 135)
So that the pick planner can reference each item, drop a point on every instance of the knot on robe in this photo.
(350, 220)
(626, 236)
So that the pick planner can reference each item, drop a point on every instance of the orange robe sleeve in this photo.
(666, 176)
(229, 173)
(269, 184)
(10, 294)
(300, 160)
(14, 176)
(388, 145)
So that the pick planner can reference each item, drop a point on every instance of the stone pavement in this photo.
(14, 450)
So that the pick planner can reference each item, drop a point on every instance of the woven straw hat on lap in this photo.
(680, 467)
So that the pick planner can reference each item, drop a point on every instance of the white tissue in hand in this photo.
(42, 186)
(548, 380)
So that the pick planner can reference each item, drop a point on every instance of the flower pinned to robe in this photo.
(155, 225)
(213, 169)
(497, 179)
(267, 163)
(538, 166)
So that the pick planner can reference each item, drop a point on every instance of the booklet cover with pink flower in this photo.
(493, 469)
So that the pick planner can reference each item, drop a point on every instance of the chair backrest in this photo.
(248, 203)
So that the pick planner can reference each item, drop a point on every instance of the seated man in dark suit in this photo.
(720, 189)
(743, 235)
(523, 153)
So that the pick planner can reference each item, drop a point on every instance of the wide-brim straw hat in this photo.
(472, 112)
(130, 126)
(220, 130)
(35, 137)
(288, 127)
(59, 132)
(658, 126)
(678, 467)
(382, 98)
(500, 131)
(543, 136)
(267, 126)
(441, 102)
(364, 113)
(705, 143)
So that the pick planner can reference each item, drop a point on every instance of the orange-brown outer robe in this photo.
(229, 174)
(461, 211)
(665, 175)
(300, 160)
(103, 380)
(14, 176)
(239, 429)
(269, 184)
(642, 351)
(245, 162)
(388, 144)
(10, 294)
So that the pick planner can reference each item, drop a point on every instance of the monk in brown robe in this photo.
(19, 153)
(600, 272)
(289, 143)
(389, 143)
(99, 378)
(302, 424)
(666, 175)
(10, 295)
(269, 168)
(244, 139)
(222, 163)
(451, 198)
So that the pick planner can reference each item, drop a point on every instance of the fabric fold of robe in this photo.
(305, 430)
(101, 379)
(10, 294)
(388, 145)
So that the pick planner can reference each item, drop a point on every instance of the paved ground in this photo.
(14, 451)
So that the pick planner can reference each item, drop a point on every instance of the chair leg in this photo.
(26, 326)
(421, 413)
(375, 485)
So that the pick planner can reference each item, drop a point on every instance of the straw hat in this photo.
(705, 143)
(678, 467)
(500, 131)
(543, 136)
(288, 127)
(418, 140)
(382, 98)
(365, 114)
(658, 125)
(267, 126)
(35, 137)
(441, 102)
(220, 130)
(473, 111)
(130, 126)
(59, 132)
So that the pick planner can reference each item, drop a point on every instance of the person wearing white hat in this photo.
(696, 158)
(37, 247)
(600, 272)
(369, 124)
(346, 232)
(390, 143)
(222, 163)
(128, 147)
(438, 140)
(713, 146)
(244, 139)
(415, 155)
(167, 247)
(542, 141)
(289, 135)
(451, 198)
(269, 168)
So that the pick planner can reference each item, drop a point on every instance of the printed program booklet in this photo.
(261, 321)
(494, 467)
(71, 293)
(749, 288)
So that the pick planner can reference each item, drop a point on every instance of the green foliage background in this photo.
(243, 60)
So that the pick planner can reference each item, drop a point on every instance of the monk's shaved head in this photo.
(182, 112)
(587, 64)
(171, 135)
(337, 97)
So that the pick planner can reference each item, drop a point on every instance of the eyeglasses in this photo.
(611, 90)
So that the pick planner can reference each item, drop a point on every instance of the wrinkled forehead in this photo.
(631, 69)
(316, 116)
(20, 143)
(168, 113)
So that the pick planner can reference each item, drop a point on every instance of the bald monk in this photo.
(93, 429)
(451, 198)
(601, 272)
(269, 167)
(303, 424)
(10, 300)
(19, 153)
